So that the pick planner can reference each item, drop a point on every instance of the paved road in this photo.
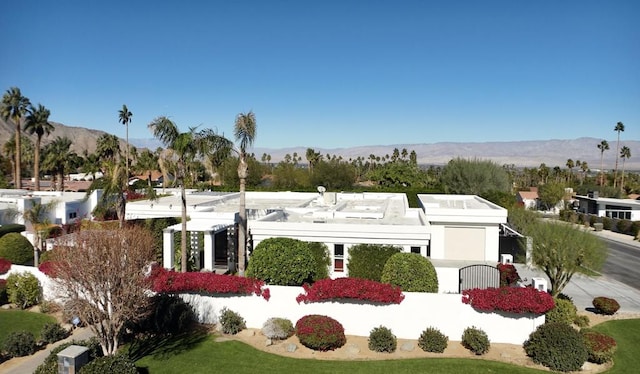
(623, 263)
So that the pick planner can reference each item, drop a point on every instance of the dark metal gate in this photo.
(479, 276)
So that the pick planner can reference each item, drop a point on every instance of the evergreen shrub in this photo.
(50, 364)
(381, 339)
(564, 311)
(272, 255)
(23, 289)
(322, 258)
(605, 305)
(411, 272)
(169, 315)
(367, 261)
(320, 333)
(119, 363)
(557, 346)
(432, 340)
(475, 340)
(278, 328)
(16, 248)
(231, 322)
(600, 347)
(20, 343)
(52, 332)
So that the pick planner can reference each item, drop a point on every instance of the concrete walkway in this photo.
(582, 289)
(29, 364)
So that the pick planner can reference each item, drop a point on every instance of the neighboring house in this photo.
(446, 227)
(609, 207)
(156, 178)
(528, 199)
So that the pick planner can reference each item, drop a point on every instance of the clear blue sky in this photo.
(332, 74)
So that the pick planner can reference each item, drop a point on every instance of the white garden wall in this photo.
(407, 320)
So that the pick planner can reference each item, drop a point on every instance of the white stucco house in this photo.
(609, 207)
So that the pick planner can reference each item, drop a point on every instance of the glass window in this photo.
(338, 257)
(415, 250)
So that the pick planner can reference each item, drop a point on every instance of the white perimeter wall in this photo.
(407, 320)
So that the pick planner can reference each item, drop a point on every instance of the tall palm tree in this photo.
(603, 146)
(245, 133)
(147, 163)
(185, 146)
(59, 159)
(570, 165)
(14, 106)
(37, 122)
(625, 153)
(124, 116)
(108, 148)
(619, 128)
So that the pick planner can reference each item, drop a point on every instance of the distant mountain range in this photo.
(529, 153)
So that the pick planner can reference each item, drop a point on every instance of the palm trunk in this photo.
(18, 180)
(183, 234)
(622, 182)
(36, 164)
(242, 215)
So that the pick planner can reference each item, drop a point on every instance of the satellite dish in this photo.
(321, 189)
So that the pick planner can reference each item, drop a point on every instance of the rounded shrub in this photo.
(320, 333)
(52, 332)
(120, 364)
(20, 343)
(367, 261)
(605, 305)
(231, 322)
(600, 347)
(475, 340)
(432, 340)
(169, 315)
(564, 311)
(411, 272)
(557, 346)
(381, 339)
(272, 255)
(16, 248)
(278, 328)
(320, 253)
(23, 289)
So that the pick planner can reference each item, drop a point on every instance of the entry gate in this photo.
(479, 276)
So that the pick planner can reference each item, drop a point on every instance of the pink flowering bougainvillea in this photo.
(509, 299)
(351, 288)
(5, 265)
(508, 275)
(166, 281)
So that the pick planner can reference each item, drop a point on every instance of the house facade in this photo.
(609, 207)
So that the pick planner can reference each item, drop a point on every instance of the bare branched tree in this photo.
(101, 276)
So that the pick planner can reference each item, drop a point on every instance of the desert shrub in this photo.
(52, 332)
(4, 298)
(20, 343)
(16, 248)
(5, 265)
(600, 347)
(635, 228)
(367, 261)
(475, 340)
(557, 346)
(564, 296)
(278, 328)
(231, 322)
(120, 364)
(11, 227)
(411, 272)
(581, 321)
(605, 305)
(432, 340)
(592, 220)
(564, 312)
(23, 289)
(273, 255)
(320, 333)
(322, 259)
(607, 223)
(381, 339)
(169, 315)
(623, 226)
(50, 364)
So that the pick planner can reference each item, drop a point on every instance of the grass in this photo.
(202, 354)
(626, 332)
(22, 320)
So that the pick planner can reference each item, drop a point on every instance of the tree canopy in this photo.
(474, 177)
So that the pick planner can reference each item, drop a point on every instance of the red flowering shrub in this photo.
(509, 299)
(605, 305)
(508, 275)
(601, 347)
(165, 281)
(320, 333)
(48, 268)
(5, 265)
(351, 288)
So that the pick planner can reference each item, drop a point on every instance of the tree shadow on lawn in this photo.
(166, 346)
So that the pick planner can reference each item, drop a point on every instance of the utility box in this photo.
(72, 358)
(539, 284)
(506, 259)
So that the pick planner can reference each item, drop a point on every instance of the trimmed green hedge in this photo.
(282, 262)
(411, 272)
(12, 227)
(367, 261)
(16, 248)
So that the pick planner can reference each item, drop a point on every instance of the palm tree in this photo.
(59, 159)
(570, 165)
(619, 128)
(625, 153)
(37, 218)
(245, 134)
(147, 163)
(185, 146)
(603, 146)
(37, 122)
(14, 106)
(124, 116)
(108, 147)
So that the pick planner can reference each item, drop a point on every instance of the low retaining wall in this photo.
(407, 320)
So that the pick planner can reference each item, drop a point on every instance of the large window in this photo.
(338, 257)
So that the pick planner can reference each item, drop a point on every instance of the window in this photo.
(73, 215)
(415, 250)
(338, 257)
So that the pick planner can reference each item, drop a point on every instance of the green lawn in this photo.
(199, 353)
(21, 320)
(626, 332)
